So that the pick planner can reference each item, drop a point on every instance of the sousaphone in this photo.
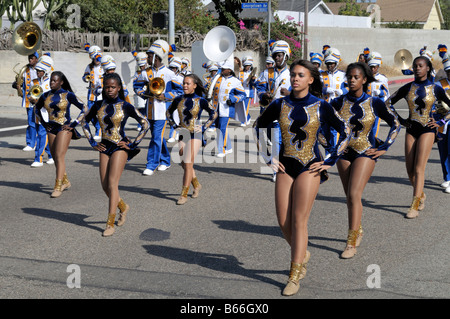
(218, 46)
(403, 59)
(27, 38)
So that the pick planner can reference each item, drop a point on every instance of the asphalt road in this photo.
(226, 244)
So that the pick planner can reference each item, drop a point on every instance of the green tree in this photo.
(126, 16)
(445, 9)
(228, 12)
(287, 31)
(351, 8)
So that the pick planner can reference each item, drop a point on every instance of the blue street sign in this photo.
(250, 5)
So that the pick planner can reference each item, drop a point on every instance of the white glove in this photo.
(338, 92)
(330, 91)
(376, 92)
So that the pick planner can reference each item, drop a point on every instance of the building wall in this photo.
(351, 41)
(433, 22)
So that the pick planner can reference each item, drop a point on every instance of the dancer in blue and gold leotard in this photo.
(356, 165)
(300, 168)
(115, 148)
(421, 96)
(60, 128)
(188, 107)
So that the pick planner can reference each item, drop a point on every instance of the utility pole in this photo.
(269, 10)
(171, 22)
(305, 28)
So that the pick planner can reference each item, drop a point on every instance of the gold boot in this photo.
(197, 187)
(413, 211)
(183, 198)
(422, 201)
(293, 283)
(57, 190)
(123, 208)
(110, 225)
(65, 183)
(350, 249)
(359, 238)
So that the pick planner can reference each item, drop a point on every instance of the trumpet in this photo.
(155, 87)
(36, 91)
(88, 78)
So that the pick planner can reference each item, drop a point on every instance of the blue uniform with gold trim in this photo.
(57, 104)
(421, 97)
(112, 116)
(300, 122)
(361, 114)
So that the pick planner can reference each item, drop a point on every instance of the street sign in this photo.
(250, 5)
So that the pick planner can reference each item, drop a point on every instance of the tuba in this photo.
(27, 38)
(19, 79)
(218, 46)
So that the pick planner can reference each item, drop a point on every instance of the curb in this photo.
(400, 81)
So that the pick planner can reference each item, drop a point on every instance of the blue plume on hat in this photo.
(87, 46)
(325, 48)
(366, 52)
(442, 48)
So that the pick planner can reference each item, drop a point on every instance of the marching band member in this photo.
(43, 69)
(227, 91)
(185, 66)
(187, 108)
(249, 86)
(334, 85)
(212, 68)
(334, 81)
(443, 139)
(300, 166)
(274, 83)
(28, 76)
(421, 96)
(60, 128)
(176, 85)
(93, 75)
(158, 156)
(379, 87)
(141, 65)
(109, 66)
(270, 62)
(429, 55)
(357, 163)
(115, 147)
(316, 59)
